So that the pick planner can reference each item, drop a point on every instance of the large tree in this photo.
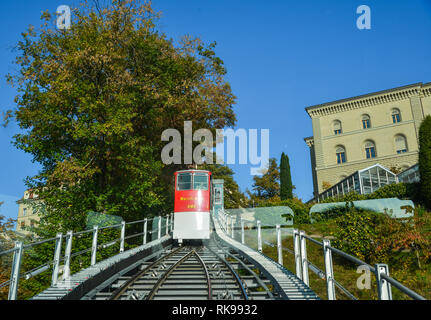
(267, 186)
(94, 100)
(286, 187)
(425, 160)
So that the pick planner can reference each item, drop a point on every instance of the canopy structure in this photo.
(268, 216)
(410, 175)
(394, 207)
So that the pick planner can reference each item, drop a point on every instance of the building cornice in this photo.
(371, 99)
(309, 141)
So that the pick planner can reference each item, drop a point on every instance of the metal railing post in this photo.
(327, 255)
(259, 236)
(159, 230)
(242, 231)
(123, 235)
(383, 286)
(94, 246)
(145, 230)
(232, 227)
(56, 263)
(304, 260)
(167, 224)
(297, 251)
(67, 253)
(225, 223)
(16, 269)
(279, 248)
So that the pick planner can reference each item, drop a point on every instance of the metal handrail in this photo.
(402, 288)
(20, 247)
(313, 240)
(38, 243)
(302, 262)
(351, 258)
(8, 251)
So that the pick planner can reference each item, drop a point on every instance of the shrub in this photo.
(356, 230)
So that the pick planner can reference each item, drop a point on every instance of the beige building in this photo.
(356, 133)
(27, 217)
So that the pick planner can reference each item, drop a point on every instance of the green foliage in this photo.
(356, 231)
(93, 102)
(378, 238)
(6, 228)
(405, 245)
(268, 185)
(286, 187)
(425, 160)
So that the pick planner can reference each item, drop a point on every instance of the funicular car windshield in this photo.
(184, 181)
(200, 181)
(190, 181)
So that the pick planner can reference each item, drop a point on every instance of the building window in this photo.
(400, 144)
(337, 127)
(22, 224)
(370, 150)
(366, 121)
(341, 154)
(396, 116)
(24, 212)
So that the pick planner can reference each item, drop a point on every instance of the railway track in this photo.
(207, 272)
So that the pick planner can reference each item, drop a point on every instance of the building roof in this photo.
(378, 97)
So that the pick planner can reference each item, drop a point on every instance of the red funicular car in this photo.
(192, 205)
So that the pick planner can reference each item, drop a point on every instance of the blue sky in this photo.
(281, 57)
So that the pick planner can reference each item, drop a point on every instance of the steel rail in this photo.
(119, 292)
(207, 275)
(166, 275)
(259, 281)
(237, 278)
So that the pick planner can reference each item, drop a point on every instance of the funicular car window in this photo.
(200, 181)
(184, 181)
